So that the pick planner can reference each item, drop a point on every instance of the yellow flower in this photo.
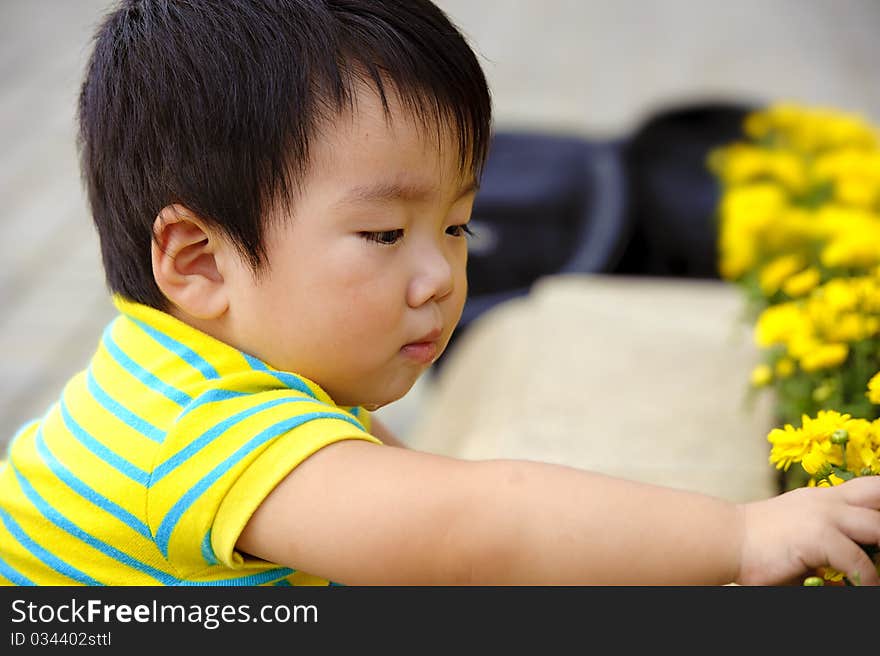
(784, 368)
(800, 344)
(788, 446)
(742, 163)
(824, 356)
(761, 375)
(791, 444)
(815, 458)
(802, 283)
(850, 327)
(746, 214)
(839, 295)
(831, 574)
(778, 270)
(863, 447)
(778, 323)
(874, 389)
(852, 237)
(856, 191)
(854, 174)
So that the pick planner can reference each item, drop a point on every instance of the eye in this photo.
(459, 230)
(385, 237)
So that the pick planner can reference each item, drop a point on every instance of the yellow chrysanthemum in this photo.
(791, 444)
(776, 272)
(761, 375)
(852, 237)
(824, 356)
(788, 446)
(812, 130)
(777, 324)
(839, 295)
(784, 368)
(850, 327)
(861, 192)
(742, 163)
(816, 458)
(802, 283)
(746, 214)
(874, 389)
(803, 341)
(863, 447)
(854, 174)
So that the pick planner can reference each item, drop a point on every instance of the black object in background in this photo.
(672, 195)
(642, 205)
(547, 204)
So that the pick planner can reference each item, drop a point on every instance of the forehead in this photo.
(371, 137)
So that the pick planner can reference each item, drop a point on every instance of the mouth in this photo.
(424, 350)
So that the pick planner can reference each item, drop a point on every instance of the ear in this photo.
(186, 264)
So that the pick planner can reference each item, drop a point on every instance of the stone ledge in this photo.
(635, 377)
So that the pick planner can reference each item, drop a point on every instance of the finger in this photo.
(860, 524)
(846, 556)
(861, 491)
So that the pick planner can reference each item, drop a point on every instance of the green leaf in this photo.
(842, 473)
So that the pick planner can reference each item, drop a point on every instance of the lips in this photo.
(430, 337)
(425, 349)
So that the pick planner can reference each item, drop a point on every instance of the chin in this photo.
(389, 394)
(374, 405)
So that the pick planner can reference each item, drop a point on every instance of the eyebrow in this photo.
(386, 191)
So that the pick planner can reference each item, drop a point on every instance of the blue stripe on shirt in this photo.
(122, 413)
(68, 526)
(118, 463)
(289, 380)
(211, 434)
(141, 374)
(41, 554)
(208, 550)
(77, 485)
(211, 396)
(183, 351)
(251, 579)
(71, 572)
(169, 522)
(12, 575)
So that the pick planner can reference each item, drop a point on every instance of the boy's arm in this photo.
(361, 514)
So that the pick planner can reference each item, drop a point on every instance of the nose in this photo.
(434, 278)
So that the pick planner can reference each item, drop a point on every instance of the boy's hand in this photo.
(807, 528)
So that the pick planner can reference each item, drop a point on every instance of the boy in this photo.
(282, 190)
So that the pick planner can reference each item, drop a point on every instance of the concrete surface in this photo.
(636, 377)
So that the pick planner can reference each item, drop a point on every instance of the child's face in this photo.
(366, 276)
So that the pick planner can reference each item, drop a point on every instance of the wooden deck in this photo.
(558, 64)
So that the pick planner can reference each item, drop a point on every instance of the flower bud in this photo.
(822, 393)
(762, 375)
(840, 436)
(814, 581)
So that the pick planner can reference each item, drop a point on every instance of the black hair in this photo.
(213, 104)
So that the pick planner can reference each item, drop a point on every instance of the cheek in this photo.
(365, 302)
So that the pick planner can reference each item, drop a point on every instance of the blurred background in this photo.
(633, 90)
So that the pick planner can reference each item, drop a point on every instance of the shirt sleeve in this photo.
(221, 461)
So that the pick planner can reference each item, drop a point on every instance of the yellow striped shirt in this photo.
(150, 464)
